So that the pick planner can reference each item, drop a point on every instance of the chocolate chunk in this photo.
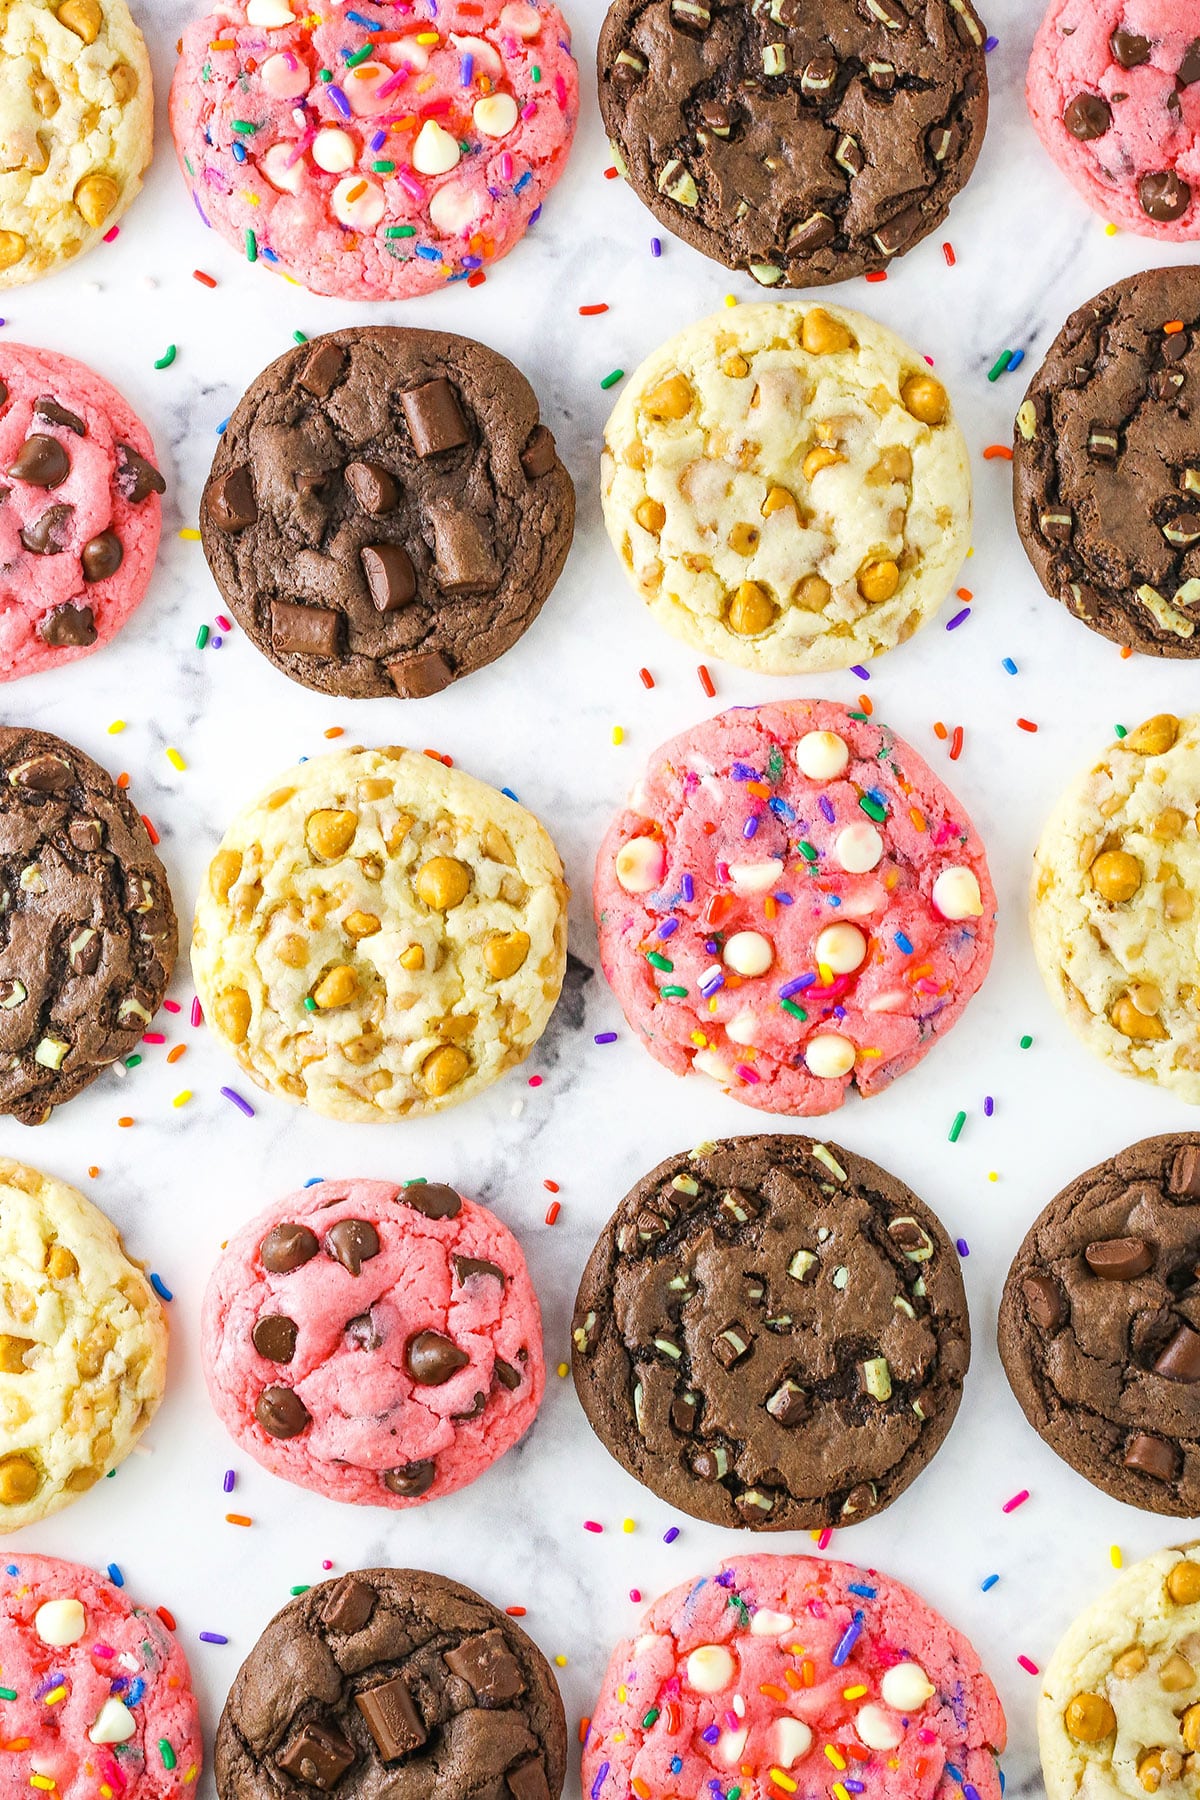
(810, 233)
(85, 950)
(732, 1345)
(363, 1332)
(432, 1198)
(1152, 1456)
(435, 418)
(136, 478)
(305, 630)
(319, 1757)
(506, 1374)
(44, 774)
(41, 462)
(323, 369)
(47, 536)
(287, 1247)
(528, 1780)
(1087, 117)
(685, 1410)
(352, 1242)
(1189, 68)
(789, 1405)
(1044, 1299)
(465, 564)
(899, 232)
(350, 1606)
(416, 677)
(819, 76)
(466, 1266)
(540, 454)
(1164, 196)
(230, 500)
(392, 1718)
(281, 1412)
(432, 1359)
(488, 1667)
(68, 627)
(275, 1338)
(391, 578)
(102, 556)
(1129, 49)
(374, 487)
(1119, 1259)
(1185, 1172)
(411, 1480)
(46, 407)
(1180, 1361)
(86, 834)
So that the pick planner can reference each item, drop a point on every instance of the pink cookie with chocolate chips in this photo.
(374, 151)
(779, 1671)
(375, 1343)
(792, 904)
(1114, 93)
(81, 517)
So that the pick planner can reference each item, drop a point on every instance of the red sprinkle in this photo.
(1017, 1500)
(150, 831)
(610, 174)
(1026, 724)
(948, 253)
(552, 1212)
(515, 1612)
(535, 1081)
(823, 1540)
(1029, 1667)
(591, 312)
(166, 1617)
(995, 450)
(197, 1013)
(706, 682)
(635, 1594)
(551, 1187)
(153, 1037)
(171, 1006)
(646, 678)
(585, 1725)
(110, 235)
(877, 275)
(476, 278)
(956, 743)
(202, 278)
(223, 622)
(591, 1525)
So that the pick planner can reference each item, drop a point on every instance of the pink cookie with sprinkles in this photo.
(791, 1675)
(378, 150)
(96, 1696)
(792, 904)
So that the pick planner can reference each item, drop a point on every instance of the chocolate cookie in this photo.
(392, 1681)
(87, 930)
(807, 140)
(1106, 469)
(773, 1333)
(1100, 1325)
(385, 512)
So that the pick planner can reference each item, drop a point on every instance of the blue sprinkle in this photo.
(509, 795)
(1009, 664)
(160, 1287)
(115, 1575)
(902, 943)
(750, 827)
(878, 796)
(826, 806)
(221, 428)
(429, 253)
(1015, 361)
(847, 1641)
(137, 1688)
(314, 1181)
(524, 182)
(676, 1765)
(237, 151)
(857, 669)
(989, 1581)
(783, 899)
(1000, 1773)
(667, 928)
(782, 810)
(954, 1774)
(356, 18)
(12, 1569)
(601, 1775)
(656, 246)
(267, 255)
(861, 1588)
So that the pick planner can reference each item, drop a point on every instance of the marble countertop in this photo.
(541, 721)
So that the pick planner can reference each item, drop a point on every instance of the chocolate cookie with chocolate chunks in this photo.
(1106, 464)
(386, 512)
(772, 1332)
(88, 935)
(392, 1681)
(806, 141)
(1100, 1325)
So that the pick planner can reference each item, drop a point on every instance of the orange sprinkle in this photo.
(791, 1677)
(939, 731)
(204, 280)
(222, 44)
(997, 450)
(1126, 651)
(237, 1519)
(439, 757)
(335, 731)
(551, 1187)
(866, 704)
(808, 1674)
(585, 1723)
(174, 1055)
(640, 1789)
(878, 275)
(706, 682)
(771, 1690)
(759, 789)
(1026, 725)
(93, 1172)
(965, 594)
(150, 831)
(770, 907)
(857, 1752)
(592, 312)
(125, 1122)
(918, 819)
(518, 1612)
(123, 779)
(1174, 327)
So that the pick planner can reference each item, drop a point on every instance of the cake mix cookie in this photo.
(385, 511)
(380, 935)
(76, 128)
(1119, 1711)
(1112, 93)
(392, 1680)
(805, 141)
(83, 1346)
(375, 1343)
(787, 487)
(772, 1332)
(121, 1713)
(81, 513)
(1096, 1325)
(793, 905)
(1116, 883)
(374, 152)
(776, 1672)
(1106, 470)
(87, 929)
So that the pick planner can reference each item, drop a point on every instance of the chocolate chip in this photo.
(1180, 1361)
(789, 1405)
(1087, 117)
(392, 1718)
(528, 1780)
(1129, 49)
(416, 677)
(275, 1338)
(136, 478)
(811, 233)
(1185, 1172)
(349, 1606)
(1164, 196)
(41, 462)
(374, 487)
(899, 232)
(86, 834)
(47, 536)
(819, 76)
(717, 116)
(305, 630)
(46, 407)
(44, 774)
(1119, 1259)
(465, 564)
(685, 1410)
(432, 1359)
(466, 1266)
(287, 1248)
(1044, 1299)
(435, 418)
(506, 1375)
(86, 948)
(411, 1480)
(281, 1412)
(1152, 1455)
(433, 1199)
(539, 455)
(488, 1667)
(352, 1242)
(322, 369)
(732, 1345)
(230, 500)
(68, 627)
(102, 556)
(755, 1504)
(477, 1408)
(391, 578)
(1189, 68)
(319, 1757)
(363, 1332)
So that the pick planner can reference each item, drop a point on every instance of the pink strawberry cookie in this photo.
(103, 1695)
(81, 516)
(375, 1343)
(779, 1671)
(792, 904)
(379, 150)
(1114, 93)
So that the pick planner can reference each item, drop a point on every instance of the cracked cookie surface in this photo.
(1106, 470)
(806, 141)
(772, 1333)
(392, 1681)
(379, 935)
(385, 511)
(787, 487)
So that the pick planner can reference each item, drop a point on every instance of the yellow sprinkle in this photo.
(992, 1175)
(106, 1792)
(854, 1693)
(427, 37)
(118, 725)
(182, 1099)
(564, 1369)
(618, 1737)
(840, 1792)
(45, 1782)
(731, 299)
(190, 534)
(618, 735)
(175, 758)
(870, 1053)
(783, 1781)
(628, 1525)
(54, 1696)
(191, 1774)
(826, 974)
(1110, 231)
(561, 1661)
(700, 1041)
(622, 1693)
(835, 1756)
(1115, 1557)
(712, 1006)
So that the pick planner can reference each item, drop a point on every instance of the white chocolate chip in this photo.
(281, 171)
(284, 77)
(841, 948)
(452, 209)
(486, 60)
(707, 1062)
(60, 1622)
(495, 115)
(743, 1027)
(766, 1623)
(906, 1687)
(710, 1669)
(730, 1746)
(270, 13)
(755, 878)
(115, 1725)
(523, 21)
(829, 1056)
(748, 953)
(357, 201)
(877, 1730)
(435, 152)
(362, 86)
(790, 1740)
(822, 755)
(640, 865)
(956, 894)
(859, 849)
(412, 54)
(334, 151)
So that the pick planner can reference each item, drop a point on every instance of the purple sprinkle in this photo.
(687, 887)
(48, 1683)
(468, 70)
(214, 643)
(656, 246)
(990, 45)
(711, 946)
(724, 1579)
(200, 209)
(958, 619)
(670, 1534)
(601, 1776)
(743, 772)
(859, 1787)
(605, 1037)
(536, 214)
(667, 928)
(711, 1733)
(857, 669)
(212, 1637)
(796, 986)
(826, 806)
(709, 988)
(847, 1641)
(377, 142)
(338, 101)
(970, 1791)
(243, 1106)
(962, 1246)
(989, 1107)
(750, 827)
(229, 1481)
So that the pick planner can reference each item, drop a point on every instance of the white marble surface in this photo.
(541, 722)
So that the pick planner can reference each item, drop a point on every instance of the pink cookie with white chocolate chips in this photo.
(792, 904)
(778, 1672)
(379, 150)
(374, 1343)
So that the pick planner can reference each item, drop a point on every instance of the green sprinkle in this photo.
(647, 1722)
(797, 1012)
(324, 74)
(251, 246)
(205, 75)
(960, 1120)
(400, 231)
(167, 1754)
(612, 380)
(1120, 731)
(352, 62)
(11, 1694)
(244, 125)
(998, 367)
(188, 165)
(131, 1062)
(167, 358)
(743, 1609)
(535, 73)
(673, 993)
(302, 1589)
(659, 962)
(202, 637)
(775, 764)
(735, 1793)
(310, 1004)
(384, 168)
(808, 851)
(873, 809)
(1026, 1041)
(300, 337)
(861, 717)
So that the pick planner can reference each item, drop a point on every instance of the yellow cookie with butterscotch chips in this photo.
(380, 936)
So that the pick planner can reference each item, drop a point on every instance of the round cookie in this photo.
(123, 1716)
(392, 1680)
(787, 488)
(808, 1393)
(380, 936)
(1112, 94)
(89, 936)
(807, 141)
(1106, 473)
(375, 1343)
(1119, 1710)
(385, 511)
(798, 1667)
(83, 1346)
(793, 905)
(81, 515)
(376, 152)
(1096, 1325)
(76, 128)
(1116, 882)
